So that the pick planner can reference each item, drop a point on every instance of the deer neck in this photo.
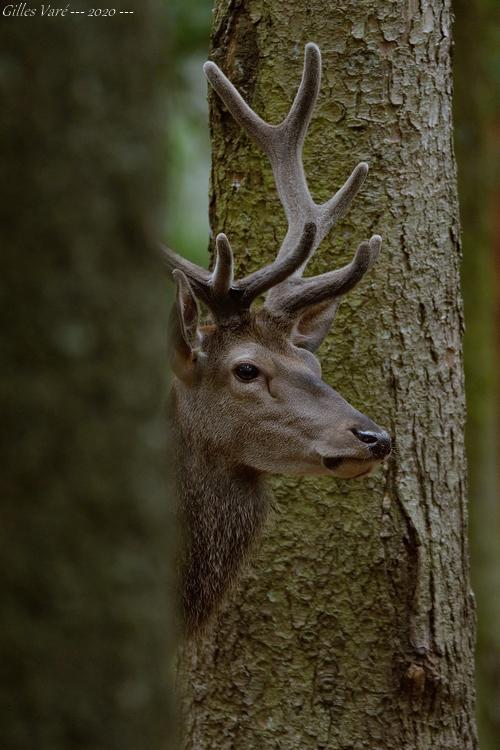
(222, 509)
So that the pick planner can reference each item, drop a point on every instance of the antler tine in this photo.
(330, 285)
(375, 244)
(198, 277)
(266, 278)
(337, 206)
(242, 113)
(191, 270)
(300, 113)
(222, 276)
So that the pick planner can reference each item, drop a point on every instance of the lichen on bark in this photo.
(353, 625)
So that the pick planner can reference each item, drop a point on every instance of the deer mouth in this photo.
(347, 468)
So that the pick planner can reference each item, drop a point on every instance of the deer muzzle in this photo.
(378, 443)
(372, 446)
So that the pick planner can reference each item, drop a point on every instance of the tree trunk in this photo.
(87, 626)
(354, 624)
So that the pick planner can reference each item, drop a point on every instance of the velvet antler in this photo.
(308, 222)
(225, 297)
(283, 145)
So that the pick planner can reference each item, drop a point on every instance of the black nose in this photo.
(379, 443)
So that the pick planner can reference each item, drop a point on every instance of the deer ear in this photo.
(183, 327)
(313, 324)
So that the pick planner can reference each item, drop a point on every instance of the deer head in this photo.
(249, 377)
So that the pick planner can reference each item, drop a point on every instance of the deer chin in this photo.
(348, 468)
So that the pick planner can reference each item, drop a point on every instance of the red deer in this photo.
(248, 399)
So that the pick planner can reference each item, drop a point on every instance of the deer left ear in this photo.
(312, 326)
(183, 328)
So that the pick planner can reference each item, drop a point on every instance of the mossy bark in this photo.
(353, 626)
(86, 623)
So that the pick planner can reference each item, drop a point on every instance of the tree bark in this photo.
(354, 624)
(87, 621)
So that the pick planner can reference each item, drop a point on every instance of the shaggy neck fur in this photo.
(222, 508)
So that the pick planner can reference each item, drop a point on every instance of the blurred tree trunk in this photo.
(475, 91)
(354, 625)
(87, 625)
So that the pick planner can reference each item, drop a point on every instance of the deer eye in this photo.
(246, 371)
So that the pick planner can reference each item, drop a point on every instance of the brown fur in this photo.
(222, 510)
(230, 435)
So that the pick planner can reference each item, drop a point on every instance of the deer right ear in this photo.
(183, 328)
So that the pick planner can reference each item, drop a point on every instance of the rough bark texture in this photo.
(86, 627)
(353, 627)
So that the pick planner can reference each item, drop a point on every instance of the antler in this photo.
(283, 145)
(225, 297)
(300, 293)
